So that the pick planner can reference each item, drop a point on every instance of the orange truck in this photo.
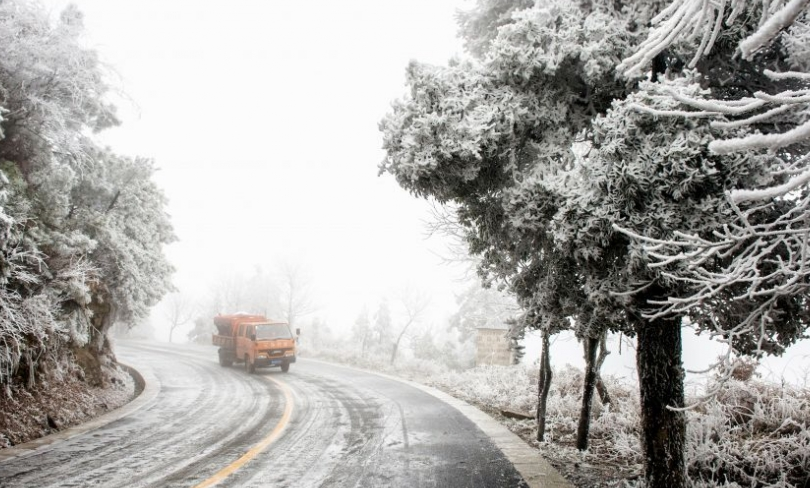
(254, 340)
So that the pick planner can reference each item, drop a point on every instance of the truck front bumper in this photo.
(273, 361)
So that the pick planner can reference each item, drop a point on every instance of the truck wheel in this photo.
(224, 361)
(285, 367)
(249, 367)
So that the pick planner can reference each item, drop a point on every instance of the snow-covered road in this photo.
(319, 425)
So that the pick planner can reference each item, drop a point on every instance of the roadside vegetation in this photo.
(626, 166)
(609, 166)
(82, 228)
(751, 433)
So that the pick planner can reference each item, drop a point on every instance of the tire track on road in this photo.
(182, 433)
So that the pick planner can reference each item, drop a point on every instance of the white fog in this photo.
(625, 165)
(262, 119)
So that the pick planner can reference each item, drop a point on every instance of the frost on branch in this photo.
(552, 34)
(439, 139)
(773, 119)
(699, 23)
(752, 268)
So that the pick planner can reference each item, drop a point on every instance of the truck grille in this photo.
(276, 352)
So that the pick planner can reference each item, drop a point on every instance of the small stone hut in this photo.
(492, 347)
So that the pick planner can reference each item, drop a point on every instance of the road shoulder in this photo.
(536, 471)
(147, 387)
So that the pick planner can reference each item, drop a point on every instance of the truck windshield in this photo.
(272, 331)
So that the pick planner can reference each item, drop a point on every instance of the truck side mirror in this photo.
(252, 337)
(297, 331)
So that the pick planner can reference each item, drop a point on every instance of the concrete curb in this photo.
(147, 386)
(536, 471)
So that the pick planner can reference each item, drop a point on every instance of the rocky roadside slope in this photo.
(57, 403)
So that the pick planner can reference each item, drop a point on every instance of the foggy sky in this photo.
(262, 118)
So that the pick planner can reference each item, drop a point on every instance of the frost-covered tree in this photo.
(413, 303)
(83, 228)
(561, 171)
(317, 333)
(295, 291)
(754, 265)
(424, 346)
(361, 331)
(122, 212)
(234, 292)
(381, 330)
(481, 307)
(284, 294)
(230, 293)
(258, 292)
(202, 331)
(547, 153)
(482, 134)
(179, 309)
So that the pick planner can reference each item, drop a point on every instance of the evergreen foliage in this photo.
(576, 144)
(82, 228)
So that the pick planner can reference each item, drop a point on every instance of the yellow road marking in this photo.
(261, 446)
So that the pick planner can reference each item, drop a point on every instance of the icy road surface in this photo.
(322, 425)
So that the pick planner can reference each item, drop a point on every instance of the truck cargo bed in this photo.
(226, 342)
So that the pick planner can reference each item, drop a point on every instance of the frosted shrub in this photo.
(751, 434)
(498, 387)
(515, 388)
(754, 434)
(377, 359)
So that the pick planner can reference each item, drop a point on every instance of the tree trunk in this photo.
(31, 370)
(394, 352)
(543, 387)
(590, 345)
(661, 376)
(604, 395)
(94, 356)
(290, 298)
(601, 389)
(399, 338)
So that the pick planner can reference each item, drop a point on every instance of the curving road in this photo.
(319, 425)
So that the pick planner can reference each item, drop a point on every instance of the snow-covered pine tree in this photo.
(382, 333)
(85, 227)
(545, 153)
(361, 331)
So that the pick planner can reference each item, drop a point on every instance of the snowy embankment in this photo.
(754, 433)
(61, 401)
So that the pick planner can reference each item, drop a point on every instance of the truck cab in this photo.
(265, 344)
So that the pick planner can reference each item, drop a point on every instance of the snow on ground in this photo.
(755, 433)
(56, 404)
